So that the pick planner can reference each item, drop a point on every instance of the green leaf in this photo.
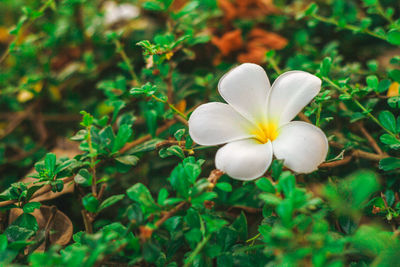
(162, 196)
(153, 6)
(128, 160)
(393, 37)
(174, 150)
(192, 170)
(388, 164)
(90, 203)
(87, 119)
(3, 242)
(31, 206)
(383, 86)
(270, 199)
(123, 135)
(372, 81)
(50, 163)
(240, 224)
(110, 201)
(224, 187)
(276, 168)
(326, 66)
(395, 75)
(83, 178)
(388, 120)
(265, 185)
(390, 140)
(17, 233)
(287, 183)
(146, 146)
(139, 193)
(179, 134)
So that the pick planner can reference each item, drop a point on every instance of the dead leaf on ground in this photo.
(259, 42)
(229, 42)
(246, 8)
(60, 226)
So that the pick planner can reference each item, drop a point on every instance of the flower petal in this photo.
(246, 89)
(217, 123)
(244, 159)
(290, 93)
(301, 145)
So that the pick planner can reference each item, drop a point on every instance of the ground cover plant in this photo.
(113, 123)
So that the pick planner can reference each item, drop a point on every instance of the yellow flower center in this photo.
(266, 131)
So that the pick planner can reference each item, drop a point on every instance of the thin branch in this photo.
(44, 190)
(147, 137)
(214, 177)
(370, 139)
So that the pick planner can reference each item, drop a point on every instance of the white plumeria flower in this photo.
(119, 12)
(256, 123)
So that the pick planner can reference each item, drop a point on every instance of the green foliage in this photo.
(115, 94)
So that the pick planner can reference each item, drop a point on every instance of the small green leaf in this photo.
(224, 187)
(287, 183)
(128, 160)
(83, 178)
(90, 203)
(395, 75)
(174, 150)
(393, 37)
(388, 120)
(31, 206)
(265, 185)
(179, 134)
(123, 135)
(110, 201)
(372, 81)
(388, 164)
(139, 193)
(390, 140)
(162, 196)
(50, 163)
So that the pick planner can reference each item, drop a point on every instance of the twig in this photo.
(168, 143)
(370, 139)
(22, 29)
(303, 117)
(197, 250)
(45, 189)
(168, 214)
(87, 221)
(214, 177)
(333, 164)
(18, 119)
(146, 232)
(128, 63)
(147, 137)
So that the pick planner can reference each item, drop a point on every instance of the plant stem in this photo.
(274, 65)
(128, 63)
(92, 163)
(344, 90)
(22, 29)
(197, 251)
(170, 105)
(347, 26)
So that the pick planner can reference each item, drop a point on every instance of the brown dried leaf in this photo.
(246, 8)
(229, 42)
(268, 39)
(60, 227)
(259, 42)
